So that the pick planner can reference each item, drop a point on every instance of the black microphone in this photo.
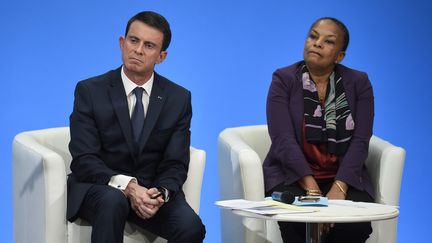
(285, 197)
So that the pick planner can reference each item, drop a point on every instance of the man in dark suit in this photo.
(130, 143)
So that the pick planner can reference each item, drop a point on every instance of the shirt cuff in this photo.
(120, 181)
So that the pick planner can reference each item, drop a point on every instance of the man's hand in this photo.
(141, 200)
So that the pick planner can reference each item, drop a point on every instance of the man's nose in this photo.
(139, 49)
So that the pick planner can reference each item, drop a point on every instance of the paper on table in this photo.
(240, 204)
(267, 207)
(350, 203)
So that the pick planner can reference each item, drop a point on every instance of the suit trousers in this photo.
(107, 209)
(340, 233)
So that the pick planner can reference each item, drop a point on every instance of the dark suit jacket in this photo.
(285, 161)
(101, 137)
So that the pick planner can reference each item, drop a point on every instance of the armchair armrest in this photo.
(385, 165)
(193, 183)
(39, 191)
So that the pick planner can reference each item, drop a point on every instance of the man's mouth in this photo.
(136, 59)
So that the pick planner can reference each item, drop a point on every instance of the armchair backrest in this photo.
(256, 137)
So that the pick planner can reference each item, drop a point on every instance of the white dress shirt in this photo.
(121, 181)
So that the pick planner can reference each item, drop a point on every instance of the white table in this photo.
(338, 211)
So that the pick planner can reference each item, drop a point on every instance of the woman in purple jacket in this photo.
(320, 116)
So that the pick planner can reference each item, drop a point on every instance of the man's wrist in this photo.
(165, 193)
(131, 186)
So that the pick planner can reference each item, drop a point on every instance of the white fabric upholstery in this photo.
(41, 162)
(241, 153)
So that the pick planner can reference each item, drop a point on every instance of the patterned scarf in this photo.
(336, 126)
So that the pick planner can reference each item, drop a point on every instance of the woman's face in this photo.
(323, 46)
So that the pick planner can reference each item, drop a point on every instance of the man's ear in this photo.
(162, 56)
(121, 41)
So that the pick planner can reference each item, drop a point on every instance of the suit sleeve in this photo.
(85, 144)
(172, 170)
(351, 165)
(284, 148)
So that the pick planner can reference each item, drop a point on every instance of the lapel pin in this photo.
(159, 97)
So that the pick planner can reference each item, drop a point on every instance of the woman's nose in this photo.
(318, 43)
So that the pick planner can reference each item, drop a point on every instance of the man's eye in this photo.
(149, 46)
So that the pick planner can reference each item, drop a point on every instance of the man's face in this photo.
(141, 50)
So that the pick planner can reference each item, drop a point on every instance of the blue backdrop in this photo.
(224, 52)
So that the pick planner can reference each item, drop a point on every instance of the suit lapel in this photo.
(297, 105)
(157, 99)
(120, 105)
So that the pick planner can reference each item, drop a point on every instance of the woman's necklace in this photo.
(321, 82)
(322, 90)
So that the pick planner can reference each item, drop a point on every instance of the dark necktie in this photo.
(138, 114)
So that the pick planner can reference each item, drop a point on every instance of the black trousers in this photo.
(340, 233)
(107, 209)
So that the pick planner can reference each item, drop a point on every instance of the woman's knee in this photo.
(350, 232)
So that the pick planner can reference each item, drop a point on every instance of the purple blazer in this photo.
(285, 161)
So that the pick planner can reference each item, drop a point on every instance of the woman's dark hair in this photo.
(341, 26)
(156, 21)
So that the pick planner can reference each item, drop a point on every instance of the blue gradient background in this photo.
(225, 53)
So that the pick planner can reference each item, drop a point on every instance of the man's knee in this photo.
(113, 202)
(193, 230)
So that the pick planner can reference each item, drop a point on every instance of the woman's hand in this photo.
(337, 191)
(308, 183)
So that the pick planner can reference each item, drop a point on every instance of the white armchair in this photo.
(241, 153)
(41, 162)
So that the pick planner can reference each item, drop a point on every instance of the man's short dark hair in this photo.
(156, 21)
(340, 25)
